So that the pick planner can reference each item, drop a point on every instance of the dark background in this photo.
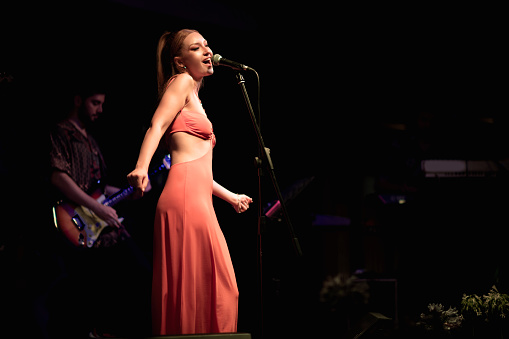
(343, 90)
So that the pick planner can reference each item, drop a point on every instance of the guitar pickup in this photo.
(80, 225)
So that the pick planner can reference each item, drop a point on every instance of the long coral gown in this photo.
(194, 289)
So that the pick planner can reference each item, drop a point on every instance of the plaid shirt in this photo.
(78, 156)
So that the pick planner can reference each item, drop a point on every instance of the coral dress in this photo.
(194, 289)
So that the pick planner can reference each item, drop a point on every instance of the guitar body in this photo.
(79, 224)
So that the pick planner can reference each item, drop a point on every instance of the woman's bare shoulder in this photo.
(181, 81)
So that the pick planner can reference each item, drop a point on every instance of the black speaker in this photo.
(372, 325)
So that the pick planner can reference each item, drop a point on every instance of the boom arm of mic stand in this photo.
(270, 166)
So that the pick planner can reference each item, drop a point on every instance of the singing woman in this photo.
(194, 289)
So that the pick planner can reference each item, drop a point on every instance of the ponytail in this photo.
(169, 46)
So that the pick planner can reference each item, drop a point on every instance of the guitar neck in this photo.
(126, 192)
(118, 196)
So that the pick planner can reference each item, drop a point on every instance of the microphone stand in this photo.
(265, 159)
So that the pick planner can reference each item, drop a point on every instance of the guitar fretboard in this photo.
(124, 193)
(118, 197)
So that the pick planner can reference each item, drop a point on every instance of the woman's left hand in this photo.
(242, 204)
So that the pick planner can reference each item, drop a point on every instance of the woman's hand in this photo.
(242, 203)
(138, 179)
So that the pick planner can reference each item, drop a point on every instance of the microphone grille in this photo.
(216, 59)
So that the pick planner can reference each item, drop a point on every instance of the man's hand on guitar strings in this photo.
(106, 213)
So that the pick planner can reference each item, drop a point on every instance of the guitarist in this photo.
(76, 160)
(78, 307)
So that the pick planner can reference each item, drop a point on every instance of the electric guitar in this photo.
(80, 225)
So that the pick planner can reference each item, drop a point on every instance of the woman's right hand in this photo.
(139, 180)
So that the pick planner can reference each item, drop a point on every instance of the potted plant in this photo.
(439, 322)
(487, 316)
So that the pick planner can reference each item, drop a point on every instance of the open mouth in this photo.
(207, 62)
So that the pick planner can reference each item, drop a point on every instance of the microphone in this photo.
(218, 60)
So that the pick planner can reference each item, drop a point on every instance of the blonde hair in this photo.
(169, 46)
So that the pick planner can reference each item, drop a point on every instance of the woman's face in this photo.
(196, 56)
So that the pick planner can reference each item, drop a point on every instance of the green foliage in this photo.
(496, 305)
(471, 306)
(493, 306)
(439, 319)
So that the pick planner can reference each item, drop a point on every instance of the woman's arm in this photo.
(221, 192)
(239, 202)
(173, 100)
